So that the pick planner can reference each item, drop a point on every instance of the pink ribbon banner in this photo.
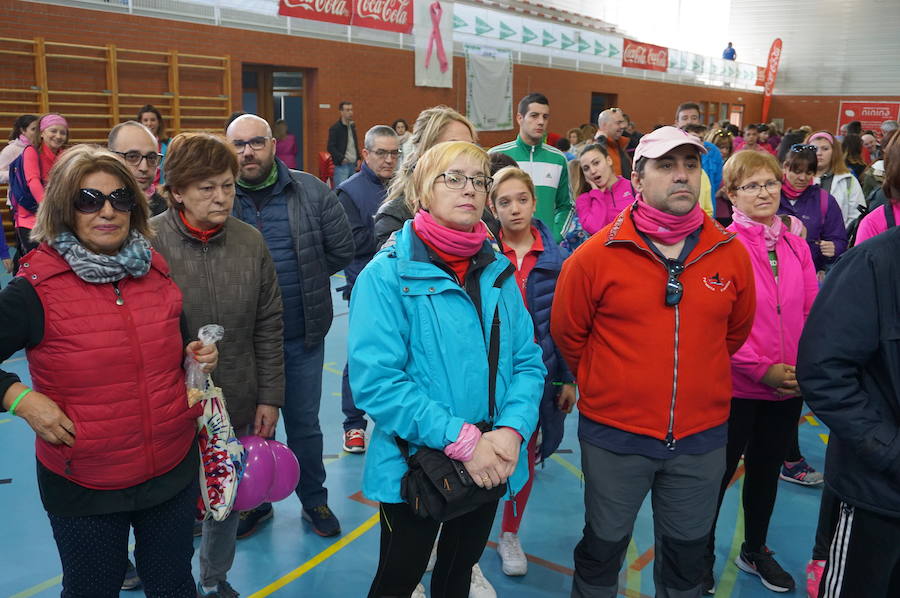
(435, 42)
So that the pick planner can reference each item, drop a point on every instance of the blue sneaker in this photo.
(801, 473)
(131, 581)
(322, 520)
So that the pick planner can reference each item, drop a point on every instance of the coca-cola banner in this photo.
(332, 11)
(637, 55)
(388, 15)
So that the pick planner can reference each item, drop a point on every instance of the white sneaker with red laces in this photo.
(355, 441)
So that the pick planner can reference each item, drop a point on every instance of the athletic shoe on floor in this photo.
(433, 558)
(764, 565)
(223, 590)
(252, 519)
(480, 587)
(510, 550)
(801, 473)
(322, 520)
(131, 581)
(355, 441)
(814, 571)
(419, 592)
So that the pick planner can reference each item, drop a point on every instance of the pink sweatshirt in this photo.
(37, 171)
(597, 208)
(874, 223)
(781, 310)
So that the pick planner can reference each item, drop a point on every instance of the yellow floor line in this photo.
(569, 467)
(811, 420)
(329, 367)
(13, 360)
(317, 560)
(53, 581)
(632, 577)
(5, 421)
(824, 438)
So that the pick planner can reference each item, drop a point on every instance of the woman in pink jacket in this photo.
(602, 194)
(876, 221)
(37, 160)
(767, 401)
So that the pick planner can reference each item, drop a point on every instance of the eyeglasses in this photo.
(134, 157)
(753, 188)
(722, 133)
(674, 288)
(382, 154)
(89, 201)
(804, 147)
(457, 180)
(257, 143)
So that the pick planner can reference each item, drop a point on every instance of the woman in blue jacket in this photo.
(420, 319)
(528, 244)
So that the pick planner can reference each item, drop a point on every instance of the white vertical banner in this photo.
(489, 77)
(433, 32)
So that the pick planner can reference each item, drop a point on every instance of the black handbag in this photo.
(438, 487)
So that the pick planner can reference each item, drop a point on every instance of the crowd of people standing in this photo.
(718, 259)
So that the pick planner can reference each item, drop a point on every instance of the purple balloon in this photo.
(259, 471)
(287, 472)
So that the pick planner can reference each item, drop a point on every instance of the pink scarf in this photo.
(772, 232)
(665, 228)
(448, 240)
(789, 190)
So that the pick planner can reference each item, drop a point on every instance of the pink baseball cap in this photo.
(663, 139)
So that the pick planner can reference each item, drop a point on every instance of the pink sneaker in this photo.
(814, 571)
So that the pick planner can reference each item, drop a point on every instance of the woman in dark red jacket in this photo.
(100, 319)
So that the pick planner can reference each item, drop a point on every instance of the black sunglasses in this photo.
(89, 201)
(674, 288)
(804, 147)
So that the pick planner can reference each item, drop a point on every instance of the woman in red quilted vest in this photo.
(100, 319)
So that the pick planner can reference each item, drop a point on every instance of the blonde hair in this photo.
(56, 213)
(434, 162)
(745, 163)
(509, 173)
(426, 131)
(837, 165)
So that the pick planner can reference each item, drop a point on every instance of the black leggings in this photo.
(406, 543)
(94, 549)
(761, 431)
(829, 511)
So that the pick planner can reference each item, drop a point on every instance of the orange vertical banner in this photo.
(771, 73)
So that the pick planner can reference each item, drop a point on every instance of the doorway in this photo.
(276, 93)
(599, 103)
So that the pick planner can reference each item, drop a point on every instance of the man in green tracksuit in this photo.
(545, 164)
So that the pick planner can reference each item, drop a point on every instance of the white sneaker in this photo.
(512, 555)
(419, 592)
(433, 558)
(480, 586)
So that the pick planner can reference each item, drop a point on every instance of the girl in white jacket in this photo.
(833, 175)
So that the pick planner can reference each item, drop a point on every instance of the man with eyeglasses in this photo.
(361, 195)
(546, 165)
(136, 146)
(611, 125)
(647, 313)
(306, 231)
(343, 144)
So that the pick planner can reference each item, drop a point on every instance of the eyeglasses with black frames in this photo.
(674, 288)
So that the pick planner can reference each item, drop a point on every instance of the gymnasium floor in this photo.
(286, 559)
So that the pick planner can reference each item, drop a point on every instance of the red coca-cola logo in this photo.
(636, 54)
(659, 58)
(389, 11)
(333, 7)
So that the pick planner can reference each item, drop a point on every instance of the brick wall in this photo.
(379, 81)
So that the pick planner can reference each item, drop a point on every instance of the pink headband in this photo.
(51, 120)
(822, 135)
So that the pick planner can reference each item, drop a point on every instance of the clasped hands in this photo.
(494, 458)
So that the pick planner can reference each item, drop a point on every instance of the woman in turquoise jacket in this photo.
(420, 321)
